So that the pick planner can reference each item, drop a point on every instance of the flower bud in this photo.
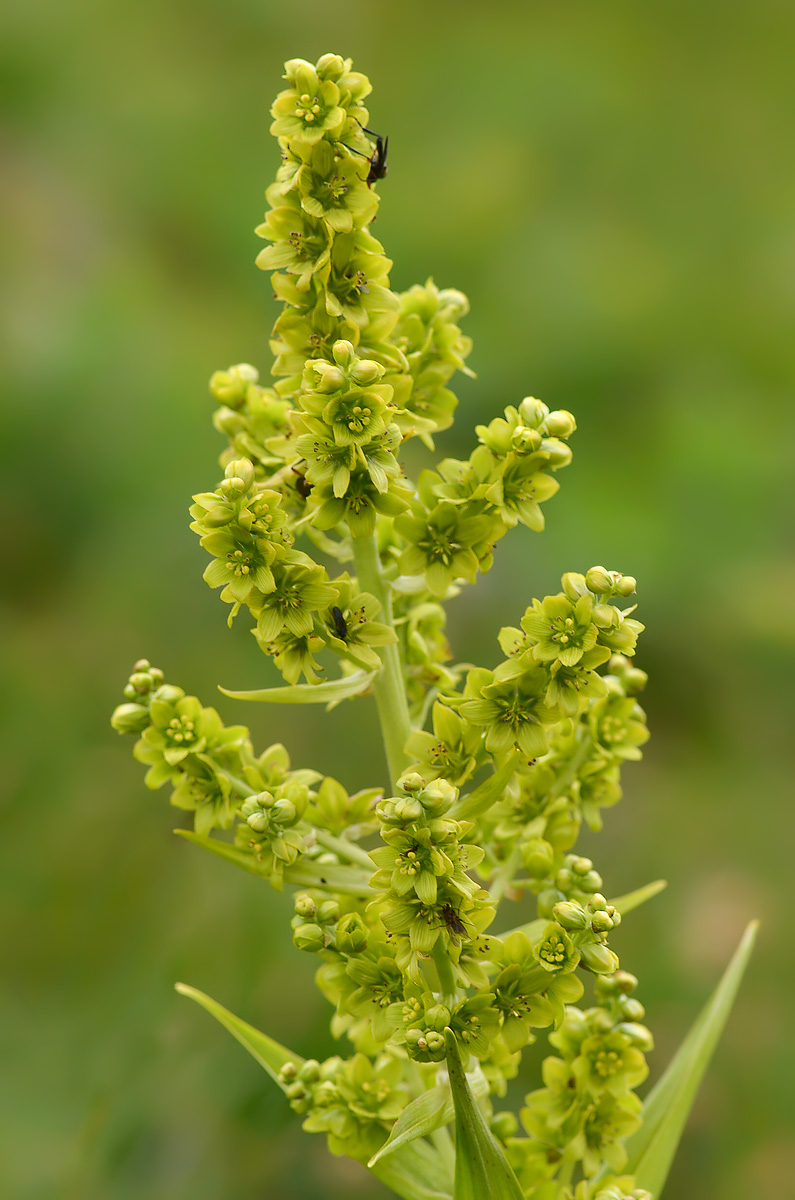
(639, 1035)
(525, 440)
(258, 821)
(366, 372)
(142, 681)
(503, 1125)
(328, 378)
(601, 922)
(626, 585)
(309, 1072)
(407, 808)
(169, 693)
(574, 585)
(344, 353)
(284, 812)
(590, 882)
(632, 1009)
(578, 864)
(599, 959)
(309, 937)
(304, 905)
(558, 453)
(230, 387)
(325, 1094)
(538, 857)
(625, 982)
(570, 915)
(240, 472)
(533, 412)
(600, 581)
(288, 1072)
(438, 1017)
(328, 911)
(411, 782)
(143, 664)
(438, 796)
(560, 423)
(130, 718)
(547, 901)
(351, 934)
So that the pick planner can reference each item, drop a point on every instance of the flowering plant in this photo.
(345, 566)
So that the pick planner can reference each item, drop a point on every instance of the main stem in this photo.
(390, 691)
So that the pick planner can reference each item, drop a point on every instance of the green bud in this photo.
(626, 585)
(309, 937)
(632, 1009)
(600, 581)
(547, 901)
(240, 474)
(560, 423)
(590, 882)
(284, 812)
(411, 782)
(639, 1035)
(599, 959)
(407, 809)
(304, 905)
(625, 982)
(579, 865)
(366, 372)
(326, 1094)
(565, 880)
(142, 664)
(168, 693)
(142, 681)
(570, 915)
(533, 412)
(351, 934)
(438, 796)
(329, 378)
(230, 387)
(130, 718)
(538, 857)
(327, 912)
(525, 440)
(288, 1072)
(438, 1017)
(574, 586)
(309, 1072)
(296, 1091)
(344, 353)
(503, 1125)
(601, 922)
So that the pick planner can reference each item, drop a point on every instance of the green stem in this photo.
(390, 691)
(344, 848)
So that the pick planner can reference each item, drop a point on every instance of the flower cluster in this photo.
(492, 772)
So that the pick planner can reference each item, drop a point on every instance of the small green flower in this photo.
(331, 189)
(297, 593)
(308, 110)
(450, 751)
(301, 245)
(360, 504)
(617, 723)
(609, 1062)
(294, 655)
(560, 630)
(570, 688)
(514, 712)
(440, 545)
(555, 951)
(350, 626)
(476, 1022)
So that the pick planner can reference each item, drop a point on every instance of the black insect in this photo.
(455, 926)
(377, 159)
(339, 623)
(302, 484)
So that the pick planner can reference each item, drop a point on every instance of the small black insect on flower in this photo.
(340, 623)
(377, 159)
(455, 926)
(302, 484)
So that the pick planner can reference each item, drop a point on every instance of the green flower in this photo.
(514, 712)
(297, 593)
(555, 951)
(360, 505)
(617, 723)
(268, 830)
(332, 190)
(571, 687)
(476, 1023)
(607, 1125)
(617, 629)
(527, 994)
(609, 1062)
(294, 655)
(560, 630)
(441, 545)
(180, 726)
(351, 629)
(308, 110)
(301, 245)
(450, 751)
(369, 1098)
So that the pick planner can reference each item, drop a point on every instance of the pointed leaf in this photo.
(652, 1148)
(631, 900)
(482, 1171)
(425, 1114)
(303, 693)
(269, 1054)
(416, 1172)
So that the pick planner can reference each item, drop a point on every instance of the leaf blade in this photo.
(665, 1112)
(270, 1055)
(482, 1171)
(328, 692)
(425, 1114)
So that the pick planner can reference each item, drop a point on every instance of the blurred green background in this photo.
(613, 186)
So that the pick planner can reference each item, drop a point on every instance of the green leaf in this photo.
(425, 1114)
(481, 1170)
(631, 900)
(303, 874)
(491, 790)
(269, 1054)
(330, 691)
(652, 1148)
(415, 1172)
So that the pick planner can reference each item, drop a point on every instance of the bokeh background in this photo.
(613, 186)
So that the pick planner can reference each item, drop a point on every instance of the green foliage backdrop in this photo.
(612, 186)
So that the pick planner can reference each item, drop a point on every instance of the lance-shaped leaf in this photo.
(651, 1150)
(631, 900)
(303, 873)
(425, 1114)
(416, 1172)
(328, 692)
(482, 1171)
(268, 1053)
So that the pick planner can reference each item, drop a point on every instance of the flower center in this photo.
(181, 731)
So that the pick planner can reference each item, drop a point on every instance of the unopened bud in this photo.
(366, 372)
(344, 353)
(626, 585)
(328, 911)
(599, 959)
(538, 857)
(600, 581)
(560, 423)
(574, 585)
(309, 937)
(639, 1035)
(351, 934)
(130, 718)
(533, 412)
(570, 915)
(304, 905)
